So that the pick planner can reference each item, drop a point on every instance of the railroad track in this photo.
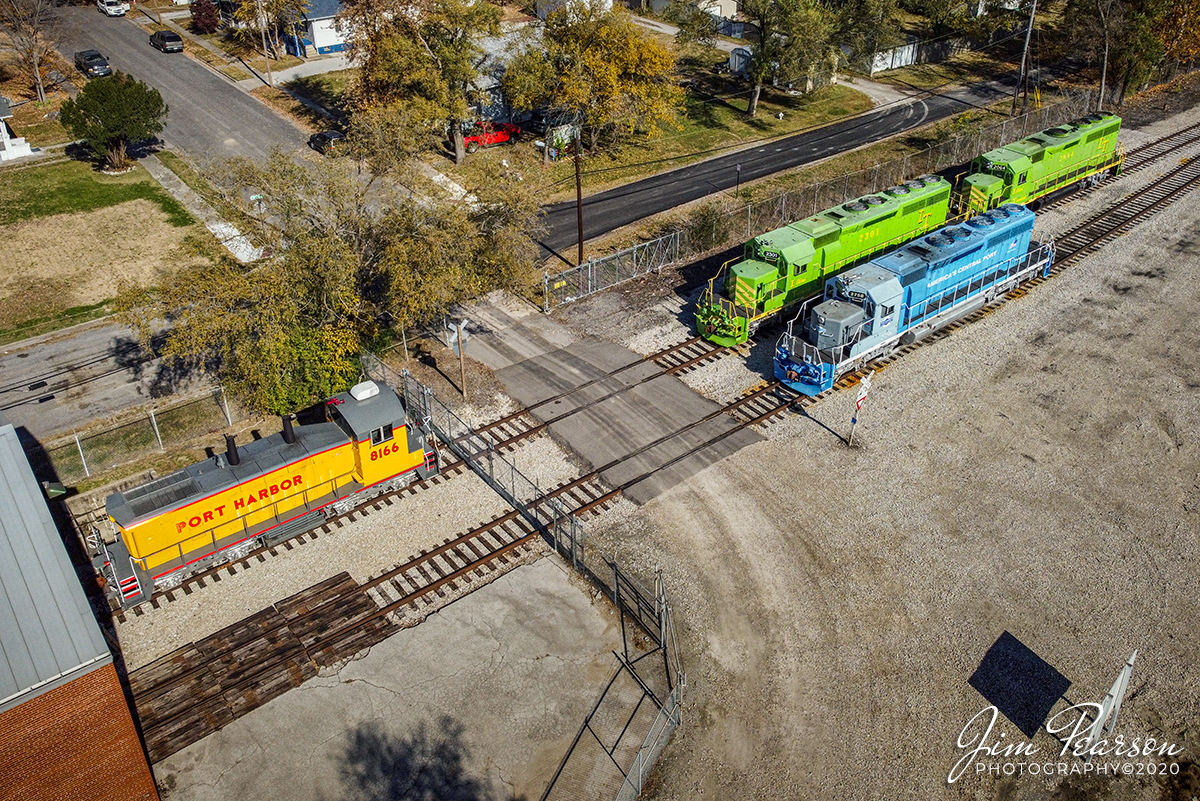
(1072, 246)
(503, 434)
(337, 618)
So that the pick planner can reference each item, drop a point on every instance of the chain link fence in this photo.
(639, 709)
(723, 224)
(89, 454)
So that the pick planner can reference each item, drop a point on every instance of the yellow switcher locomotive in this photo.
(261, 493)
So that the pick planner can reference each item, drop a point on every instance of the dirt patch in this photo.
(1162, 102)
(66, 260)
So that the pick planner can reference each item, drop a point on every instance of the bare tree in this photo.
(30, 29)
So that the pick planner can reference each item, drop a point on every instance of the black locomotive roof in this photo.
(256, 458)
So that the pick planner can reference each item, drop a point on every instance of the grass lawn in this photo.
(329, 88)
(36, 122)
(73, 236)
(248, 51)
(199, 184)
(970, 66)
(74, 186)
(308, 119)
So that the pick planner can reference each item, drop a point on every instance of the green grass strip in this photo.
(73, 186)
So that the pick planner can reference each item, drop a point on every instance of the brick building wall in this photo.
(76, 741)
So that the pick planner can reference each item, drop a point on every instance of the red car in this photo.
(483, 134)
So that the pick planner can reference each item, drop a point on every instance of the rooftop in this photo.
(48, 635)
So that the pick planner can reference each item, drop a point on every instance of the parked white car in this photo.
(113, 8)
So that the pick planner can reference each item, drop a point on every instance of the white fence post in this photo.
(82, 460)
(225, 406)
(157, 435)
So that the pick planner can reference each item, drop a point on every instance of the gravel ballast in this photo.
(1035, 473)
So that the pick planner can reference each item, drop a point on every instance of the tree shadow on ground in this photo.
(428, 765)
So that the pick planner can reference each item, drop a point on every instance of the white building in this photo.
(11, 147)
(320, 31)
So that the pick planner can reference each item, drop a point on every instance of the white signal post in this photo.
(863, 388)
(1111, 706)
(458, 342)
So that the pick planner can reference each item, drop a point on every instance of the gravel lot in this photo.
(1037, 473)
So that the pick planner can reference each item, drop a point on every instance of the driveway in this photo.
(209, 117)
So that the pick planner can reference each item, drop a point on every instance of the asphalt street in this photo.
(607, 211)
(62, 382)
(209, 117)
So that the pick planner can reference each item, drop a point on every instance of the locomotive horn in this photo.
(289, 433)
(231, 455)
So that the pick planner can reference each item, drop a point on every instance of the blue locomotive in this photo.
(898, 298)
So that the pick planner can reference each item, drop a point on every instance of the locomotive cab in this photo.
(384, 445)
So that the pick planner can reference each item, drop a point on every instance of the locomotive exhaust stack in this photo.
(231, 455)
(289, 433)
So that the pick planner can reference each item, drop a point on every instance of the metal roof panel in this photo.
(47, 630)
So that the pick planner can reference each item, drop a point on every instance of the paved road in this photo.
(61, 382)
(209, 117)
(607, 211)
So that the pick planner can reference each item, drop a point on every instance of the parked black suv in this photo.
(327, 142)
(92, 64)
(167, 41)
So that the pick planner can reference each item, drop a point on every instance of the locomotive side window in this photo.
(381, 435)
(1024, 175)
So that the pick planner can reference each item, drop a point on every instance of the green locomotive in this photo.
(1028, 170)
(783, 267)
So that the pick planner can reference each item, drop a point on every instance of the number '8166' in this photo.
(386, 450)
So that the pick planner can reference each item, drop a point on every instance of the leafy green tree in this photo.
(868, 26)
(793, 37)
(272, 15)
(205, 18)
(113, 112)
(694, 23)
(347, 256)
(1127, 38)
(599, 66)
(425, 52)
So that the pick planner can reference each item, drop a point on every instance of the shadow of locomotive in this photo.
(429, 763)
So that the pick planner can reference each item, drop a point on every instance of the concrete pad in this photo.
(505, 330)
(604, 416)
(481, 700)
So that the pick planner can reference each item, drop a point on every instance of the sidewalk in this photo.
(314, 67)
(228, 235)
(881, 94)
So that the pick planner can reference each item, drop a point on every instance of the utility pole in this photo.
(462, 363)
(578, 197)
(1021, 78)
(262, 17)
